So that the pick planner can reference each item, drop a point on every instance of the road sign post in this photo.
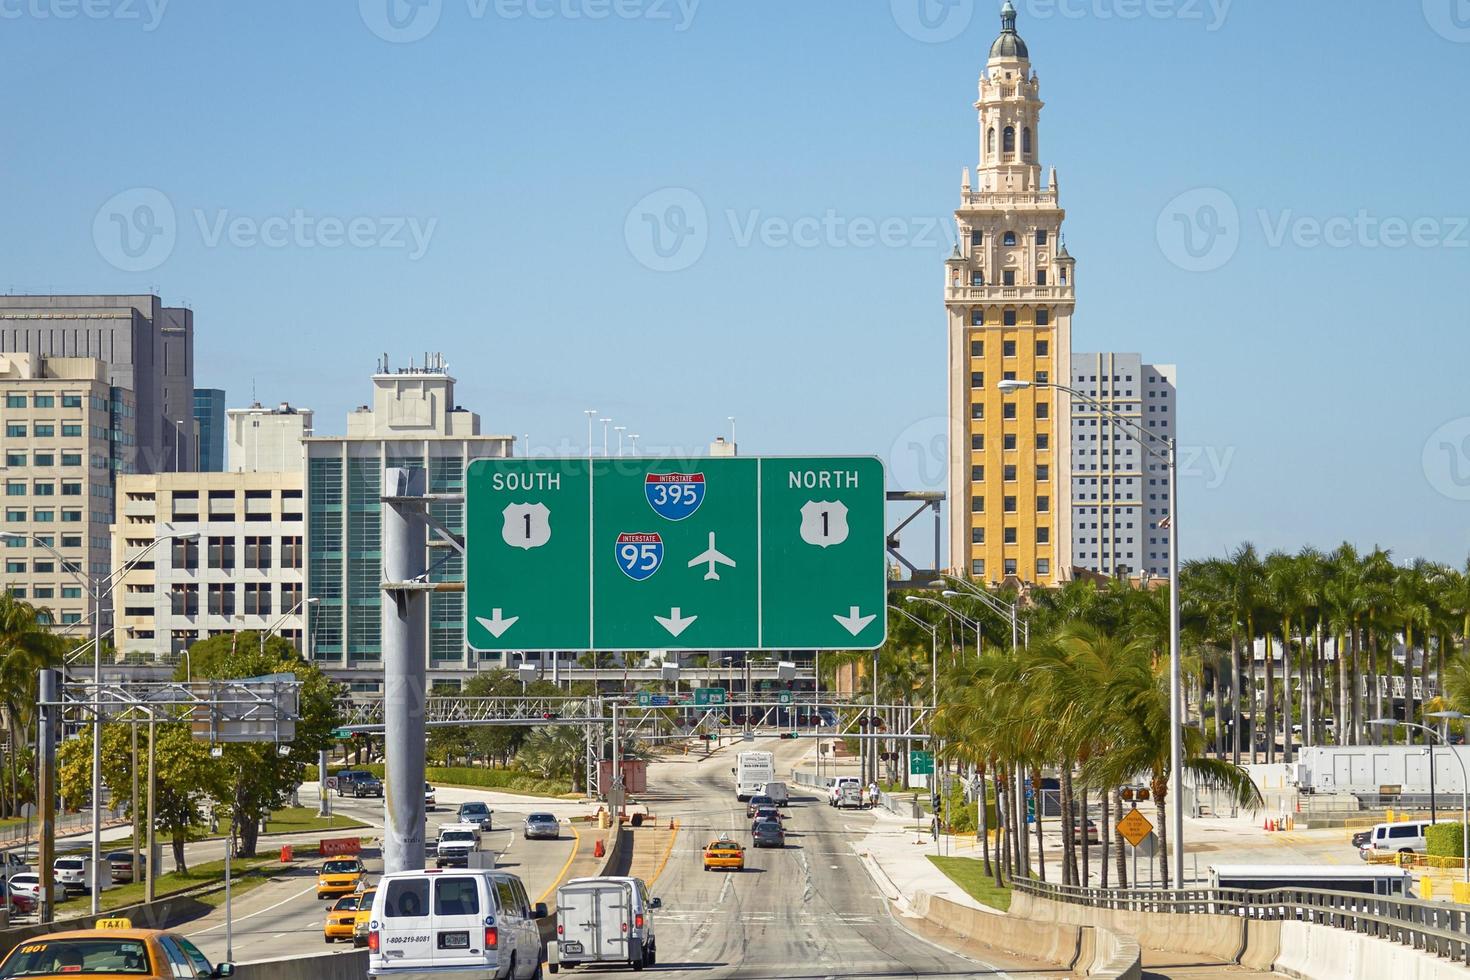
(749, 553)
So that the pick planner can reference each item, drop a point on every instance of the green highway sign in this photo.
(709, 695)
(341, 733)
(784, 697)
(741, 553)
(921, 763)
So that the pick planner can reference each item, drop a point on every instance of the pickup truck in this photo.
(366, 784)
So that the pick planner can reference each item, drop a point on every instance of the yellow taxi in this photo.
(338, 877)
(364, 916)
(342, 917)
(112, 951)
(724, 855)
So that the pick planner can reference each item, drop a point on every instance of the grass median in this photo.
(969, 874)
(245, 874)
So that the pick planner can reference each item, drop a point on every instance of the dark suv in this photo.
(358, 782)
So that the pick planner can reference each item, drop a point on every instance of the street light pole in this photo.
(309, 601)
(591, 414)
(966, 620)
(1165, 449)
(605, 423)
(1464, 776)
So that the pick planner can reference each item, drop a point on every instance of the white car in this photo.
(74, 874)
(28, 884)
(430, 801)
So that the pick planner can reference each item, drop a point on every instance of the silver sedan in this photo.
(542, 825)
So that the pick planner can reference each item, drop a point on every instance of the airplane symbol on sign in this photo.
(712, 558)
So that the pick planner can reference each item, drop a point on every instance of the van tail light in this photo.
(561, 929)
(373, 941)
(625, 927)
(492, 937)
(638, 920)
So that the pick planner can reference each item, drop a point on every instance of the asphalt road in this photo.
(808, 911)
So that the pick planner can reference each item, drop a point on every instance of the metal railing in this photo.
(1443, 930)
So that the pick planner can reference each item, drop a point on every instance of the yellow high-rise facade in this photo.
(1009, 295)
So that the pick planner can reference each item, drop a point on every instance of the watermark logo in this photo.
(401, 21)
(149, 13)
(668, 230)
(919, 456)
(1199, 231)
(1364, 230)
(1446, 459)
(135, 230)
(1211, 13)
(1450, 19)
(933, 21)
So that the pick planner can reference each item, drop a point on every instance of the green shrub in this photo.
(512, 780)
(1445, 840)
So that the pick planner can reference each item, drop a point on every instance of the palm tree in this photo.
(1412, 598)
(1286, 590)
(26, 647)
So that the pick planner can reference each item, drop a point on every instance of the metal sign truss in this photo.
(257, 709)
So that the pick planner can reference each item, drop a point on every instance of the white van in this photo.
(477, 923)
(836, 786)
(1397, 838)
(779, 794)
(603, 920)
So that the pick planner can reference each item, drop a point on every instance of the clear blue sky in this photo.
(520, 136)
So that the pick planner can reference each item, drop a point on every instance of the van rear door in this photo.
(615, 916)
(460, 921)
(405, 937)
(576, 914)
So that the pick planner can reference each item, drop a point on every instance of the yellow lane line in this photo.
(667, 851)
(576, 846)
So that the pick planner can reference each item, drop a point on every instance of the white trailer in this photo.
(603, 920)
(1368, 768)
(752, 771)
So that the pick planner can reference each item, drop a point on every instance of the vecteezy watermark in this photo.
(1450, 19)
(1210, 464)
(670, 229)
(1446, 459)
(1364, 230)
(933, 21)
(148, 13)
(1199, 231)
(137, 230)
(919, 456)
(406, 21)
(1211, 13)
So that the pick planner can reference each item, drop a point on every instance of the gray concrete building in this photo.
(1120, 494)
(147, 347)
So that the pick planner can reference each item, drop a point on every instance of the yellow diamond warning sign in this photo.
(1135, 827)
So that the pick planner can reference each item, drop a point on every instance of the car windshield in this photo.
(69, 957)
(475, 808)
(24, 879)
(457, 835)
(348, 904)
(340, 868)
(541, 818)
(767, 827)
(70, 864)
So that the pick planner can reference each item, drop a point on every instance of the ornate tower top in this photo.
(1009, 46)
(1009, 108)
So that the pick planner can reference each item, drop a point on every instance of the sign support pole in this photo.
(46, 791)
(405, 541)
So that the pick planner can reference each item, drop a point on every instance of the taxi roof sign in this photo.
(118, 923)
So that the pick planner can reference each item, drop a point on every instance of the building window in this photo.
(184, 600)
(1010, 505)
(15, 401)
(257, 598)
(977, 535)
(44, 516)
(1008, 348)
(977, 319)
(75, 517)
(1008, 147)
(44, 488)
(977, 505)
(977, 474)
(71, 591)
(1040, 279)
(1043, 377)
(977, 237)
(1041, 236)
(1043, 505)
(15, 429)
(1043, 473)
(258, 553)
(977, 278)
(990, 142)
(1008, 441)
(1043, 566)
(44, 401)
(977, 379)
(1026, 141)
(977, 411)
(15, 515)
(977, 567)
(71, 459)
(13, 567)
(977, 441)
(71, 430)
(1043, 440)
(222, 599)
(1043, 535)
(1009, 471)
(977, 348)
(1010, 321)
(292, 552)
(71, 488)
(1008, 410)
(1010, 566)
(222, 553)
(186, 554)
(1008, 277)
(1009, 535)
(1043, 410)
(44, 430)
(71, 401)
(1043, 317)
(71, 540)
(1010, 238)
(290, 596)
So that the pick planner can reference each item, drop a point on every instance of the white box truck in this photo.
(752, 771)
(603, 920)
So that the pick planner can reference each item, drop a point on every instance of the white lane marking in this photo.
(242, 918)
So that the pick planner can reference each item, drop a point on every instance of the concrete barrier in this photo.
(162, 914)
(326, 966)
(1091, 951)
(1315, 952)
(1221, 937)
